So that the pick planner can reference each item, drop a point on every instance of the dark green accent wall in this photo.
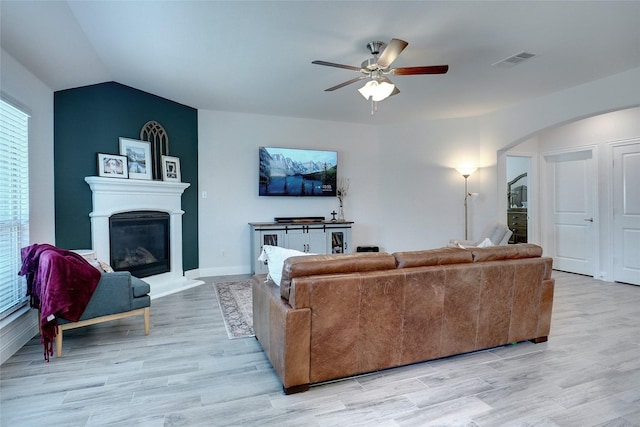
(90, 120)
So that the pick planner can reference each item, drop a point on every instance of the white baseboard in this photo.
(225, 271)
(192, 274)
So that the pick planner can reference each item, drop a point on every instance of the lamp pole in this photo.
(466, 211)
(466, 172)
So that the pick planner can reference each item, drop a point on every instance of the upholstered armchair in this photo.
(498, 234)
(118, 295)
(71, 289)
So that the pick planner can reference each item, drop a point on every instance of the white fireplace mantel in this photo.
(113, 195)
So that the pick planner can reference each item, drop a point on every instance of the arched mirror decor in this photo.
(153, 132)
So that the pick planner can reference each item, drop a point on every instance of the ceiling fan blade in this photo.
(391, 52)
(409, 71)
(333, 64)
(345, 83)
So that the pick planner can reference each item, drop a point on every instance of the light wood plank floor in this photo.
(187, 373)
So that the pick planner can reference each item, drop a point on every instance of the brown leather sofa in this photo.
(336, 316)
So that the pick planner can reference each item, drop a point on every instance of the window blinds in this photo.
(14, 205)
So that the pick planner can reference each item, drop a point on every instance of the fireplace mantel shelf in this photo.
(98, 183)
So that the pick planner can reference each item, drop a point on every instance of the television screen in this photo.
(297, 172)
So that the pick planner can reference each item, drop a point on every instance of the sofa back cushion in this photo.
(312, 265)
(442, 256)
(497, 253)
(452, 255)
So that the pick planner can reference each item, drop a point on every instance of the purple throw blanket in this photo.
(60, 283)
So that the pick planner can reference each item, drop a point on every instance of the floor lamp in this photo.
(466, 172)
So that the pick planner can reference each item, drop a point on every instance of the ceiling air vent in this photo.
(513, 59)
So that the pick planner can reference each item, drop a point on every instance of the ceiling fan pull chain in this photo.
(374, 107)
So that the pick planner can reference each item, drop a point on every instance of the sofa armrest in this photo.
(284, 334)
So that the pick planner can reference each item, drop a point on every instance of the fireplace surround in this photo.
(114, 196)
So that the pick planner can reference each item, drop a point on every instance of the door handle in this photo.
(589, 219)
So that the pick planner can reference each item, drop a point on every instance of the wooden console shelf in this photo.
(319, 237)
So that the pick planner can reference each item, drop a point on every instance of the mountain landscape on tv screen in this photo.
(294, 172)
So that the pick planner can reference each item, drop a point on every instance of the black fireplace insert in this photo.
(139, 242)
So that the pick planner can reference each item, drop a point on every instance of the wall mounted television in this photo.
(297, 172)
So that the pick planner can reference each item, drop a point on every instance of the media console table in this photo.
(320, 237)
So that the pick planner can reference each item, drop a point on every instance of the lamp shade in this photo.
(377, 90)
(466, 170)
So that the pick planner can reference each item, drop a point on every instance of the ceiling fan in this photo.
(378, 67)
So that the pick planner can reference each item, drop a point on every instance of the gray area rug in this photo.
(235, 303)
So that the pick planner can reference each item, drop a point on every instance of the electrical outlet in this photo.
(204, 195)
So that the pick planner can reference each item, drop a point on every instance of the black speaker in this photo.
(367, 249)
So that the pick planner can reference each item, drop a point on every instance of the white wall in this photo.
(593, 131)
(422, 193)
(517, 130)
(228, 172)
(596, 134)
(509, 127)
(20, 86)
(405, 193)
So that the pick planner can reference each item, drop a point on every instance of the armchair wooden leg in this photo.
(59, 342)
(147, 320)
(147, 323)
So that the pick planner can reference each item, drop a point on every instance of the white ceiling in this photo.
(255, 57)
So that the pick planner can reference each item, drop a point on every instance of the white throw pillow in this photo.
(275, 256)
(486, 243)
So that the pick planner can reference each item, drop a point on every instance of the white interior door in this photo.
(571, 190)
(626, 213)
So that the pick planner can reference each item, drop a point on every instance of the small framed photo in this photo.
(138, 154)
(170, 168)
(112, 165)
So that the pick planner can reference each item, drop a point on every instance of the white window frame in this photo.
(14, 205)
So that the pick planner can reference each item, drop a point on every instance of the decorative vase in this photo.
(340, 213)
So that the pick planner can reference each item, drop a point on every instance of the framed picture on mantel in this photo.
(170, 168)
(112, 165)
(138, 155)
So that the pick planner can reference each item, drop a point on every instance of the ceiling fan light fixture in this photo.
(376, 68)
(377, 90)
